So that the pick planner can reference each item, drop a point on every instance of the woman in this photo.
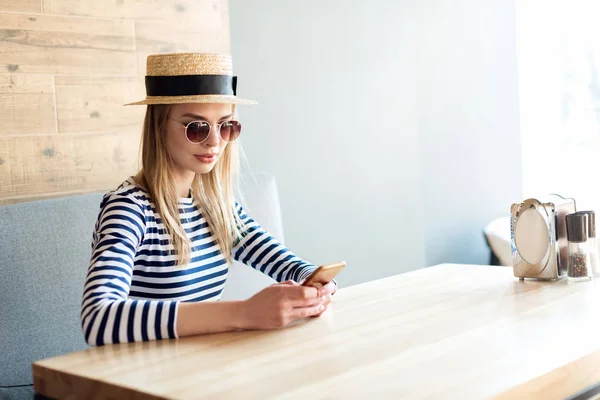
(164, 238)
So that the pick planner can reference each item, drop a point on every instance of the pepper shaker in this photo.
(592, 242)
(579, 268)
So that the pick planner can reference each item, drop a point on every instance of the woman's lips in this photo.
(206, 158)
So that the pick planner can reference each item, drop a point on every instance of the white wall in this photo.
(468, 123)
(364, 108)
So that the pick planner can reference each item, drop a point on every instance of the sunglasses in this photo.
(197, 132)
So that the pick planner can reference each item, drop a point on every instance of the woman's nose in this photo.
(214, 138)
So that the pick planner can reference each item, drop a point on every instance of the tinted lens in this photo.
(197, 131)
(230, 130)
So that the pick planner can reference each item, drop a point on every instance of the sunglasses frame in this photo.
(210, 129)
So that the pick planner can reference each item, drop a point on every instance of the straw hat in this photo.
(190, 78)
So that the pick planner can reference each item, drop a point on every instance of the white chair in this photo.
(261, 201)
(497, 234)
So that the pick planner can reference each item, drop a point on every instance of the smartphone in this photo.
(324, 274)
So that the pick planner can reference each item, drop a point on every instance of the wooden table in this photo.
(449, 331)
(563, 382)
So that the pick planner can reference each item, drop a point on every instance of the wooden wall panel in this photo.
(153, 37)
(59, 45)
(67, 68)
(27, 104)
(96, 104)
(38, 165)
(165, 10)
(29, 6)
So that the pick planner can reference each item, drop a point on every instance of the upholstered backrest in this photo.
(45, 248)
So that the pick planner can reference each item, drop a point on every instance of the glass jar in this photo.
(579, 267)
(594, 261)
(592, 242)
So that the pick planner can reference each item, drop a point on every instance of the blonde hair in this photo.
(213, 191)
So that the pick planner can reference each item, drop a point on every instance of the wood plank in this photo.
(153, 37)
(27, 105)
(34, 165)
(181, 10)
(95, 104)
(61, 45)
(560, 383)
(56, 23)
(29, 6)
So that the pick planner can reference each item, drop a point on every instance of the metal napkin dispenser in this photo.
(538, 235)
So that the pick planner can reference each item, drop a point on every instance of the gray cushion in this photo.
(17, 393)
(45, 248)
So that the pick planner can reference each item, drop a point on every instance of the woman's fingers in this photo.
(328, 289)
(301, 292)
(306, 312)
(326, 303)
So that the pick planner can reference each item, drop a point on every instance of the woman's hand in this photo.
(281, 304)
(327, 291)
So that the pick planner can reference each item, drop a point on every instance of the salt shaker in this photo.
(592, 241)
(578, 268)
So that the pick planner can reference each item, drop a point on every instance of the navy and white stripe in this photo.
(133, 287)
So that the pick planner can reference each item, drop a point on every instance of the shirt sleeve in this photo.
(107, 314)
(266, 254)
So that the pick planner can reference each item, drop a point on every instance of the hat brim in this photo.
(205, 98)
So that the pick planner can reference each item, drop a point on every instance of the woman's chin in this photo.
(203, 169)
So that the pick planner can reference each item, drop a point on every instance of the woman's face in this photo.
(190, 157)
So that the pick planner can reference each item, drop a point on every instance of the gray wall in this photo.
(362, 127)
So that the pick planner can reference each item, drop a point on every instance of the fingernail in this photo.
(323, 298)
(321, 307)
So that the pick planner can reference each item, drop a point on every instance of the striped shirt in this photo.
(133, 286)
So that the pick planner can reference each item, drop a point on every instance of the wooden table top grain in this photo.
(448, 331)
(579, 379)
